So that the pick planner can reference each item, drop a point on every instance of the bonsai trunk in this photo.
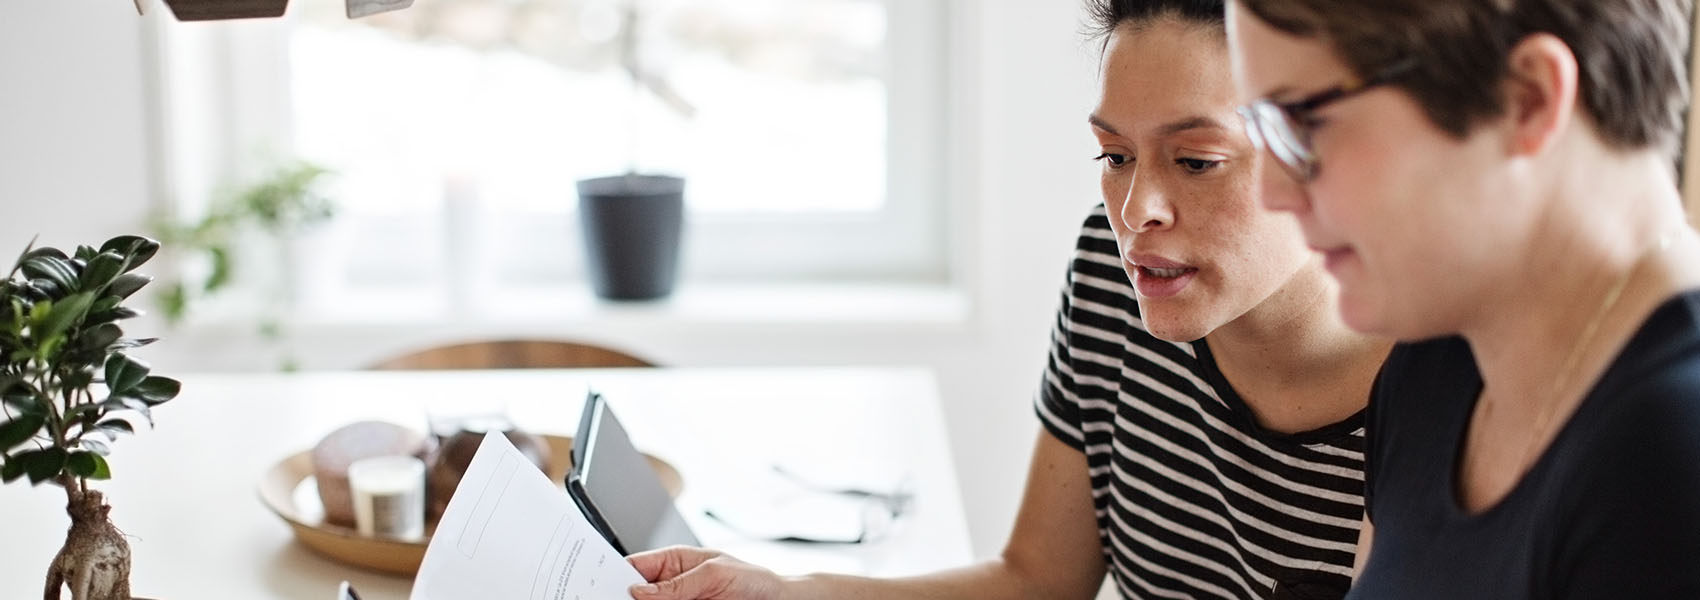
(95, 561)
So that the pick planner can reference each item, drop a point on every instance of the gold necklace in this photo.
(1568, 367)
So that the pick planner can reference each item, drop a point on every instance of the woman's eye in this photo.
(1115, 160)
(1198, 165)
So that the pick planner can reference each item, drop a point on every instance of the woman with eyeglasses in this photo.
(1493, 181)
(1202, 404)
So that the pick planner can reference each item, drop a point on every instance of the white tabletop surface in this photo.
(186, 491)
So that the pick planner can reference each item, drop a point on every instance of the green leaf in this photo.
(105, 304)
(174, 301)
(127, 284)
(156, 390)
(123, 373)
(28, 248)
(77, 379)
(107, 316)
(122, 403)
(39, 312)
(136, 248)
(85, 252)
(77, 412)
(129, 403)
(45, 289)
(51, 268)
(100, 336)
(87, 465)
(113, 427)
(43, 464)
(43, 251)
(130, 343)
(48, 351)
(65, 313)
(101, 271)
(95, 446)
(19, 311)
(13, 469)
(20, 430)
(25, 400)
(220, 268)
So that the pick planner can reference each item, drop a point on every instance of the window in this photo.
(809, 131)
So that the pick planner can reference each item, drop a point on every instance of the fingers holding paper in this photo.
(686, 573)
(669, 562)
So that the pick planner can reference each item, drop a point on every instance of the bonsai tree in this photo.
(69, 390)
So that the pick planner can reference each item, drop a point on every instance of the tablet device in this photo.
(617, 490)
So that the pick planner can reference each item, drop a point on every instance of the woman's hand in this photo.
(685, 573)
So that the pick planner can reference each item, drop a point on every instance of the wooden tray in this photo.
(291, 492)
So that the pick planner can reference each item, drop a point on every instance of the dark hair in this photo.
(1631, 55)
(1104, 16)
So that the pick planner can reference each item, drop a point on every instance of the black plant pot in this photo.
(218, 10)
(632, 225)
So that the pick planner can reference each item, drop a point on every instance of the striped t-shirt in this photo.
(1193, 498)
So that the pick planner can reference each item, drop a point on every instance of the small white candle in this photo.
(389, 496)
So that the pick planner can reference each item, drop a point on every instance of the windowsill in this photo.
(762, 303)
(766, 323)
(849, 305)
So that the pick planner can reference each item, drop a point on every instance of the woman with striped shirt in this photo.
(1202, 402)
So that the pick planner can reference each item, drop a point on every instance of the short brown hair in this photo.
(1632, 55)
(1104, 16)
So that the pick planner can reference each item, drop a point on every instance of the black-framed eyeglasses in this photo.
(878, 515)
(1283, 128)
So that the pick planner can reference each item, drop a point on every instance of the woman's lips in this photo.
(1332, 259)
(1158, 277)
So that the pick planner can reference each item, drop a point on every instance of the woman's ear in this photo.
(1539, 93)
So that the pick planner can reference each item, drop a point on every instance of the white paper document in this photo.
(510, 533)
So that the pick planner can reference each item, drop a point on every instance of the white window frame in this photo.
(206, 71)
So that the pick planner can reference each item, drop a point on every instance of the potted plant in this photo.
(281, 206)
(224, 10)
(69, 389)
(220, 10)
(632, 223)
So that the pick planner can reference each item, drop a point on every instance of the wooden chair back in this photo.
(512, 354)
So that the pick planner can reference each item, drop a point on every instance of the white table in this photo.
(185, 491)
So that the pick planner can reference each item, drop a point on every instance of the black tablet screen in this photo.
(624, 490)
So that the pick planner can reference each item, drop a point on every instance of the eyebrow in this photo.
(1171, 128)
(1100, 123)
(1190, 123)
(1276, 95)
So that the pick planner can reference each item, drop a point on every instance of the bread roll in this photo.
(352, 442)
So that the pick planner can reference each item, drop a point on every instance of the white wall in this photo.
(74, 166)
(72, 134)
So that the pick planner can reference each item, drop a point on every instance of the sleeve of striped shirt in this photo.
(1057, 402)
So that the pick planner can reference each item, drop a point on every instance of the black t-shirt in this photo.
(1610, 510)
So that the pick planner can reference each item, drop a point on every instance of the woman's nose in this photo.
(1278, 191)
(1146, 208)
